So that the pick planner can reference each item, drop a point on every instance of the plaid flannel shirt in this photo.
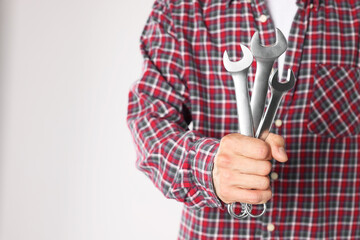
(317, 192)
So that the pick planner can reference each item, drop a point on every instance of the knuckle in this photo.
(268, 196)
(264, 183)
(277, 139)
(255, 198)
(226, 140)
(223, 160)
(264, 150)
(266, 168)
(230, 139)
(226, 175)
(281, 140)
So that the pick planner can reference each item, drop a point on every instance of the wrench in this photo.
(278, 90)
(265, 58)
(239, 72)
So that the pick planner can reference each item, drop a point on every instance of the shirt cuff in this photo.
(203, 163)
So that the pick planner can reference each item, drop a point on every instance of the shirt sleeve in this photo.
(179, 161)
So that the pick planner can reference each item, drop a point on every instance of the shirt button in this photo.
(263, 18)
(278, 122)
(274, 176)
(270, 227)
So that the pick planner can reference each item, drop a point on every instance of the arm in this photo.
(177, 160)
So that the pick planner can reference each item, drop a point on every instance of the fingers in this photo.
(244, 165)
(246, 196)
(241, 167)
(277, 145)
(246, 146)
(251, 182)
(272, 147)
(231, 178)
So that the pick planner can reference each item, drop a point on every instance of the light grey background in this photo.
(67, 166)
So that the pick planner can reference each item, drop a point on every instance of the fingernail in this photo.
(282, 151)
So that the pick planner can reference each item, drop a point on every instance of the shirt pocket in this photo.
(335, 103)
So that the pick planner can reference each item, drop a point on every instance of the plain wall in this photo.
(67, 166)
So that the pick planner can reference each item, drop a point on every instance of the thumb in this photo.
(277, 144)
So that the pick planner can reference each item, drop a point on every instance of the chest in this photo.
(323, 52)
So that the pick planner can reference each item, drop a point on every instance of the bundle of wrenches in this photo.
(253, 122)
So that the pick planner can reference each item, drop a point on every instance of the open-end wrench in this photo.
(265, 58)
(278, 90)
(239, 72)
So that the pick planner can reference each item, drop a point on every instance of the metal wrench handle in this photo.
(260, 89)
(246, 126)
(239, 72)
(265, 124)
(245, 123)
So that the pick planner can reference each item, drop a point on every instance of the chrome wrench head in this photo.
(268, 52)
(244, 63)
(282, 87)
(278, 89)
(265, 57)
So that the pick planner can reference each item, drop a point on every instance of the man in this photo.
(313, 191)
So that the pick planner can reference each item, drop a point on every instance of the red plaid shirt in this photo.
(317, 193)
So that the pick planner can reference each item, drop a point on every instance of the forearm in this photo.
(177, 160)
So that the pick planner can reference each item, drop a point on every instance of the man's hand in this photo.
(242, 165)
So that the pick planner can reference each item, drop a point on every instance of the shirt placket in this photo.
(295, 48)
(267, 32)
(263, 22)
(292, 61)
